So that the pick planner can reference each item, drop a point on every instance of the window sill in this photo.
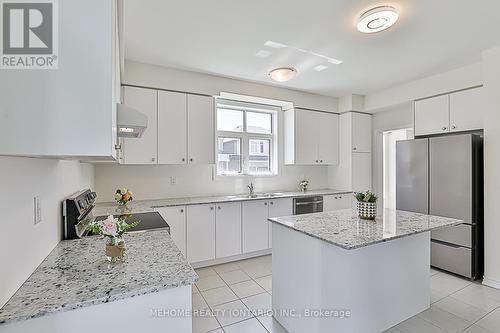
(243, 176)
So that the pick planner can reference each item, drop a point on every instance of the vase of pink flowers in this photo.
(113, 229)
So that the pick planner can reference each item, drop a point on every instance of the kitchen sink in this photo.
(258, 195)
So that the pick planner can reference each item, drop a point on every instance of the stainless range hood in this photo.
(131, 122)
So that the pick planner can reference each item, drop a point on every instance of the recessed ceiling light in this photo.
(377, 19)
(282, 74)
(263, 54)
(334, 61)
(320, 68)
(275, 45)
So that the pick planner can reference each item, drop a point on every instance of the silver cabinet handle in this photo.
(153, 159)
(191, 159)
(317, 161)
(272, 203)
(445, 128)
(182, 210)
(219, 208)
(453, 126)
(354, 148)
(211, 208)
(336, 198)
(321, 161)
(183, 159)
(265, 203)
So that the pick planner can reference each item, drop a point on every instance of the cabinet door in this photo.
(361, 172)
(306, 137)
(141, 150)
(466, 110)
(330, 203)
(200, 129)
(432, 115)
(344, 201)
(176, 219)
(228, 229)
(200, 232)
(328, 138)
(172, 127)
(361, 132)
(255, 225)
(278, 207)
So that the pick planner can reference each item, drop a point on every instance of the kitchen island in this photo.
(334, 272)
(75, 289)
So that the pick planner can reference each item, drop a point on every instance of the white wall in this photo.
(173, 79)
(24, 245)
(491, 77)
(464, 77)
(401, 116)
(153, 182)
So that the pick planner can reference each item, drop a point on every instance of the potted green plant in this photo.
(366, 205)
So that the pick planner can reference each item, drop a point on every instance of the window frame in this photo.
(245, 138)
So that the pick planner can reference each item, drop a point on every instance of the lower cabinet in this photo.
(200, 232)
(278, 207)
(255, 225)
(337, 201)
(228, 229)
(176, 219)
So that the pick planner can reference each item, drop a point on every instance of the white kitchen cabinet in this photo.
(328, 138)
(68, 112)
(466, 110)
(228, 229)
(255, 227)
(172, 127)
(361, 132)
(311, 137)
(278, 207)
(200, 232)
(361, 172)
(200, 120)
(432, 115)
(176, 219)
(141, 150)
(337, 201)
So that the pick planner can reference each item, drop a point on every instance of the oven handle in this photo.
(308, 203)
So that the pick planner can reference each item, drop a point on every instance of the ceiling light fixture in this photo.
(282, 74)
(377, 19)
(275, 45)
(263, 54)
(320, 68)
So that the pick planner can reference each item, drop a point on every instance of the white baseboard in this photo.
(491, 282)
(219, 261)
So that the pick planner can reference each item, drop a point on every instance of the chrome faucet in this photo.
(250, 189)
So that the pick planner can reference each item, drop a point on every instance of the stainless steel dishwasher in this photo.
(308, 205)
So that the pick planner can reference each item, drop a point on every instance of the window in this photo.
(246, 139)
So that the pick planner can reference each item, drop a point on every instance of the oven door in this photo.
(307, 205)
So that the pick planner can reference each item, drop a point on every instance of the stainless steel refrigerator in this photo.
(444, 176)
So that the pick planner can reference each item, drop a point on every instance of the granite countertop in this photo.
(76, 274)
(345, 229)
(144, 206)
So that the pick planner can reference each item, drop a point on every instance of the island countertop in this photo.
(345, 229)
(76, 274)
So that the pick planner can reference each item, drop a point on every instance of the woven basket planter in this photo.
(367, 210)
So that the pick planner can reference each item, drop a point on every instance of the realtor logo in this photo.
(29, 34)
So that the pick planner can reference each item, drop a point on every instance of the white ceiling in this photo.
(222, 37)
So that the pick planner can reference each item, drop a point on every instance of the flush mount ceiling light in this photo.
(377, 19)
(282, 74)
(320, 68)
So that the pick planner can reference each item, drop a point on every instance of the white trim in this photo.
(237, 257)
(491, 282)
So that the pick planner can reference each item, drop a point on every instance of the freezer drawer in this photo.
(454, 259)
(459, 234)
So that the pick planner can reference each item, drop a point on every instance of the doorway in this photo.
(389, 163)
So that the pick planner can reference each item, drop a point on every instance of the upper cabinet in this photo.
(142, 150)
(311, 137)
(466, 110)
(456, 112)
(432, 115)
(68, 112)
(180, 128)
(361, 132)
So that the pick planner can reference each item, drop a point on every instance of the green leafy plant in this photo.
(367, 196)
(112, 227)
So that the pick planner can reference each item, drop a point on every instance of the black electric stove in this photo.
(77, 214)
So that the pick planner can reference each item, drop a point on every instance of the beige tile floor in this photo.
(458, 305)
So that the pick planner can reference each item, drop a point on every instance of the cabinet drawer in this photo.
(459, 234)
(457, 259)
